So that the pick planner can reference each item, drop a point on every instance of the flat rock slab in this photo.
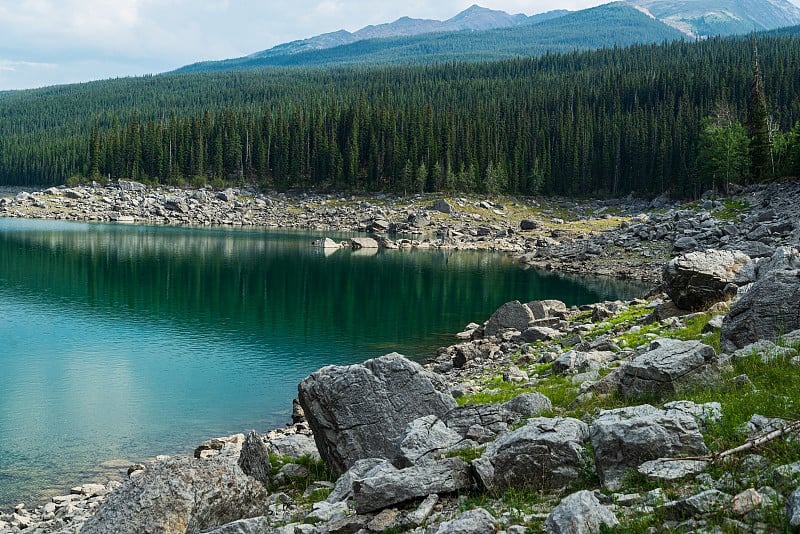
(360, 411)
(363, 242)
(669, 469)
(385, 485)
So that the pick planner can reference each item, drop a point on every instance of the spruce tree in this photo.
(757, 126)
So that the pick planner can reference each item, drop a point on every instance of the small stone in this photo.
(746, 501)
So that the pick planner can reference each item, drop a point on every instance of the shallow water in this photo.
(118, 342)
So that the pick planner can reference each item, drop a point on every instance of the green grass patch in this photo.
(496, 391)
(732, 210)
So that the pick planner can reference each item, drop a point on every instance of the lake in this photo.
(119, 342)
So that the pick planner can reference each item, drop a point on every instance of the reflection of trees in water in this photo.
(267, 284)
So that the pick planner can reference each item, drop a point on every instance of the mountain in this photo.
(705, 18)
(472, 18)
(615, 24)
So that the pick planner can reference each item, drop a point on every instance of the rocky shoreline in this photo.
(541, 418)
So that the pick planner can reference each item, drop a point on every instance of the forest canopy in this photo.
(643, 119)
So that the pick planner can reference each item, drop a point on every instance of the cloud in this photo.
(151, 36)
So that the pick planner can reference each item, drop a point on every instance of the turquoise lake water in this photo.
(119, 342)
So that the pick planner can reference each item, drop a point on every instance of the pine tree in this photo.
(758, 126)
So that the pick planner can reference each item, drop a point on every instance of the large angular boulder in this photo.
(180, 495)
(696, 280)
(625, 438)
(385, 485)
(512, 314)
(767, 310)
(359, 411)
(544, 454)
(669, 367)
(579, 513)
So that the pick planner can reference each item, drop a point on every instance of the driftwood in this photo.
(750, 444)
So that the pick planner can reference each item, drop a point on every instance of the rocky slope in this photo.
(639, 416)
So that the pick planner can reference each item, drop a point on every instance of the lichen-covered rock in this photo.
(180, 495)
(545, 453)
(793, 508)
(359, 411)
(529, 404)
(580, 513)
(488, 419)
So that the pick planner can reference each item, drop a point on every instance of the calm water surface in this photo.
(120, 342)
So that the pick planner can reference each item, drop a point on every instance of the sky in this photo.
(49, 42)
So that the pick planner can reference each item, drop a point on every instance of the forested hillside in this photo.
(606, 122)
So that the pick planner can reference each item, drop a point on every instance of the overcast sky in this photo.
(47, 42)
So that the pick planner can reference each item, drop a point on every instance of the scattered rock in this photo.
(793, 508)
(425, 439)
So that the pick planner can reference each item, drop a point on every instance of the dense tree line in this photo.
(606, 122)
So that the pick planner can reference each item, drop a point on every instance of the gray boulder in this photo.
(540, 333)
(663, 469)
(767, 310)
(543, 454)
(386, 485)
(477, 521)
(512, 314)
(793, 508)
(528, 404)
(443, 206)
(363, 242)
(625, 438)
(543, 309)
(254, 458)
(669, 367)
(579, 513)
(180, 495)
(424, 439)
(359, 411)
(696, 280)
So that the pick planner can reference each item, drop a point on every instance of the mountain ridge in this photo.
(478, 33)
